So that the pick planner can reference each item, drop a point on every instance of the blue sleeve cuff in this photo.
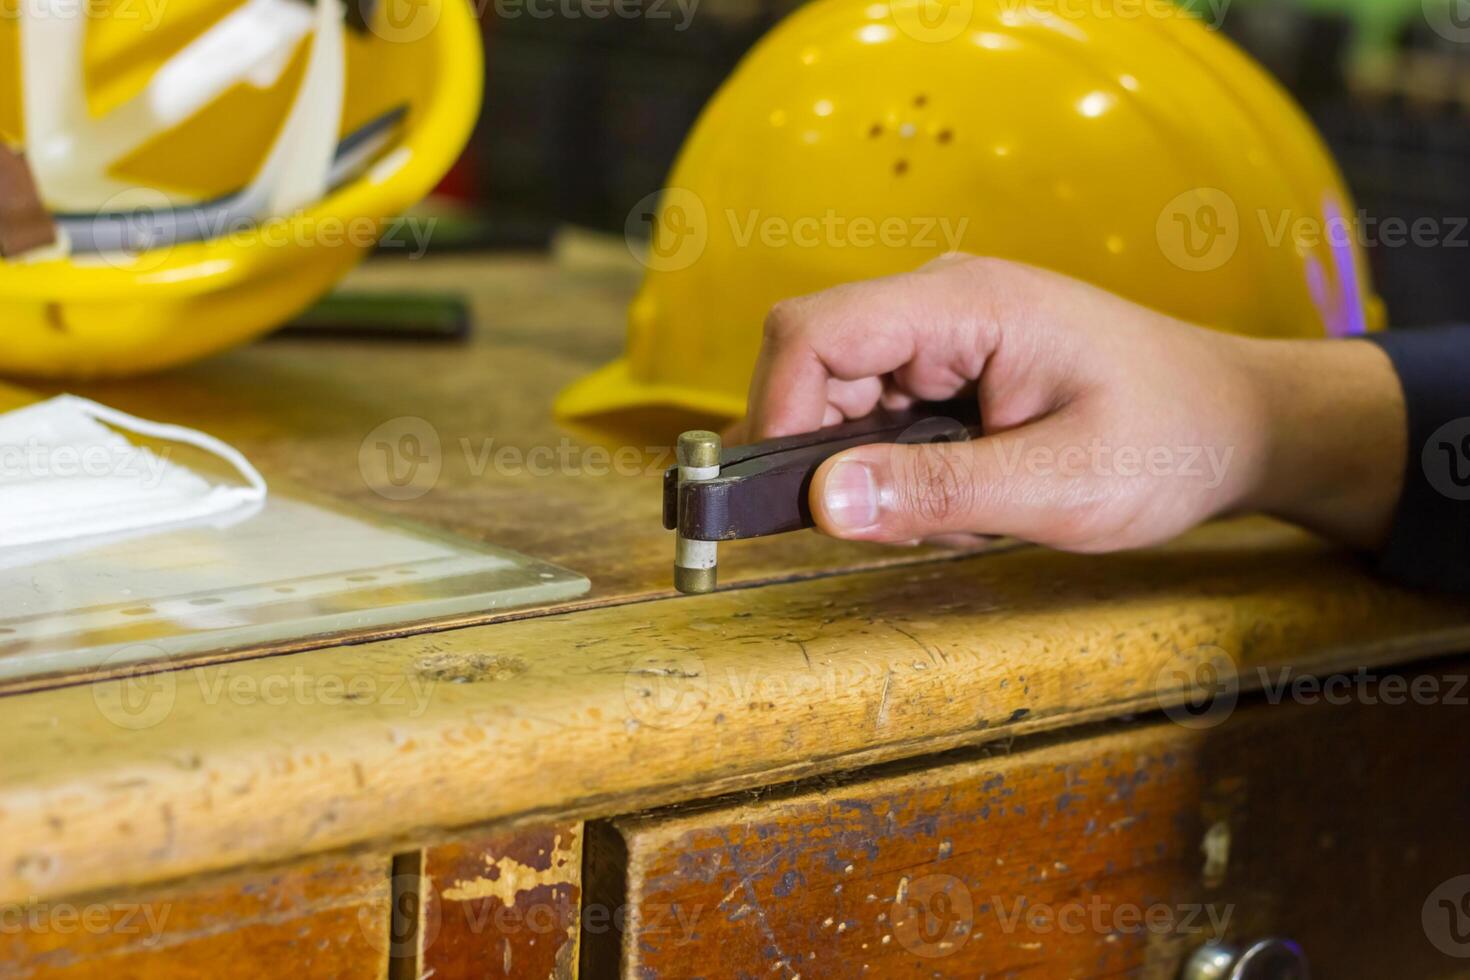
(1430, 542)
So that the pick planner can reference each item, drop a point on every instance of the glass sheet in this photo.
(286, 572)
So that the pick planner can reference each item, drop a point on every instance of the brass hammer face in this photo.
(696, 563)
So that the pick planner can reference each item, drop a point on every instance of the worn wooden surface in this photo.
(607, 710)
(1112, 855)
(326, 918)
(504, 905)
(496, 467)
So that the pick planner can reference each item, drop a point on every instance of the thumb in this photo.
(895, 493)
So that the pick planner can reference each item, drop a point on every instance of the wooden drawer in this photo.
(503, 904)
(1114, 852)
(325, 918)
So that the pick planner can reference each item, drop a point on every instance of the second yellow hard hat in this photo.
(1126, 144)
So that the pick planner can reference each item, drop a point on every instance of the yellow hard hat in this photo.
(1125, 144)
(406, 75)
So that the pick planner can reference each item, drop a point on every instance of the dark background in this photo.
(583, 118)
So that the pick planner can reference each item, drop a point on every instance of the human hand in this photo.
(1108, 426)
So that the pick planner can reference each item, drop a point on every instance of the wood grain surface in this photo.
(496, 467)
(1107, 854)
(603, 711)
(504, 904)
(326, 918)
(459, 436)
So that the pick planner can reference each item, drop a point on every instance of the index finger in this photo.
(857, 331)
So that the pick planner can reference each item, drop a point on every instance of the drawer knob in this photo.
(1269, 959)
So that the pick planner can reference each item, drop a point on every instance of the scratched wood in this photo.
(503, 905)
(326, 918)
(469, 428)
(1102, 855)
(604, 711)
(496, 467)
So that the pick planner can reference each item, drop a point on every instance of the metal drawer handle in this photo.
(1269, 959)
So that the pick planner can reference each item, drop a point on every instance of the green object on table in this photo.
(385, 316)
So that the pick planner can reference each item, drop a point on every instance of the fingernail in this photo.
(850, 496)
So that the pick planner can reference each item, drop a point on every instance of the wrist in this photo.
(1332, 436)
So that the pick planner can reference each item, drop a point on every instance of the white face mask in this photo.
(65, 475)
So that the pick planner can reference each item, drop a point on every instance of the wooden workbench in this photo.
(850, 761)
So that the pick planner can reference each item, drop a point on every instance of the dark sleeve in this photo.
(1430, 542)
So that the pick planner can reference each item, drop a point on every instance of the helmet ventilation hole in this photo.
(944, 135)
(876, 131)
(921, 100)
(901, 167)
